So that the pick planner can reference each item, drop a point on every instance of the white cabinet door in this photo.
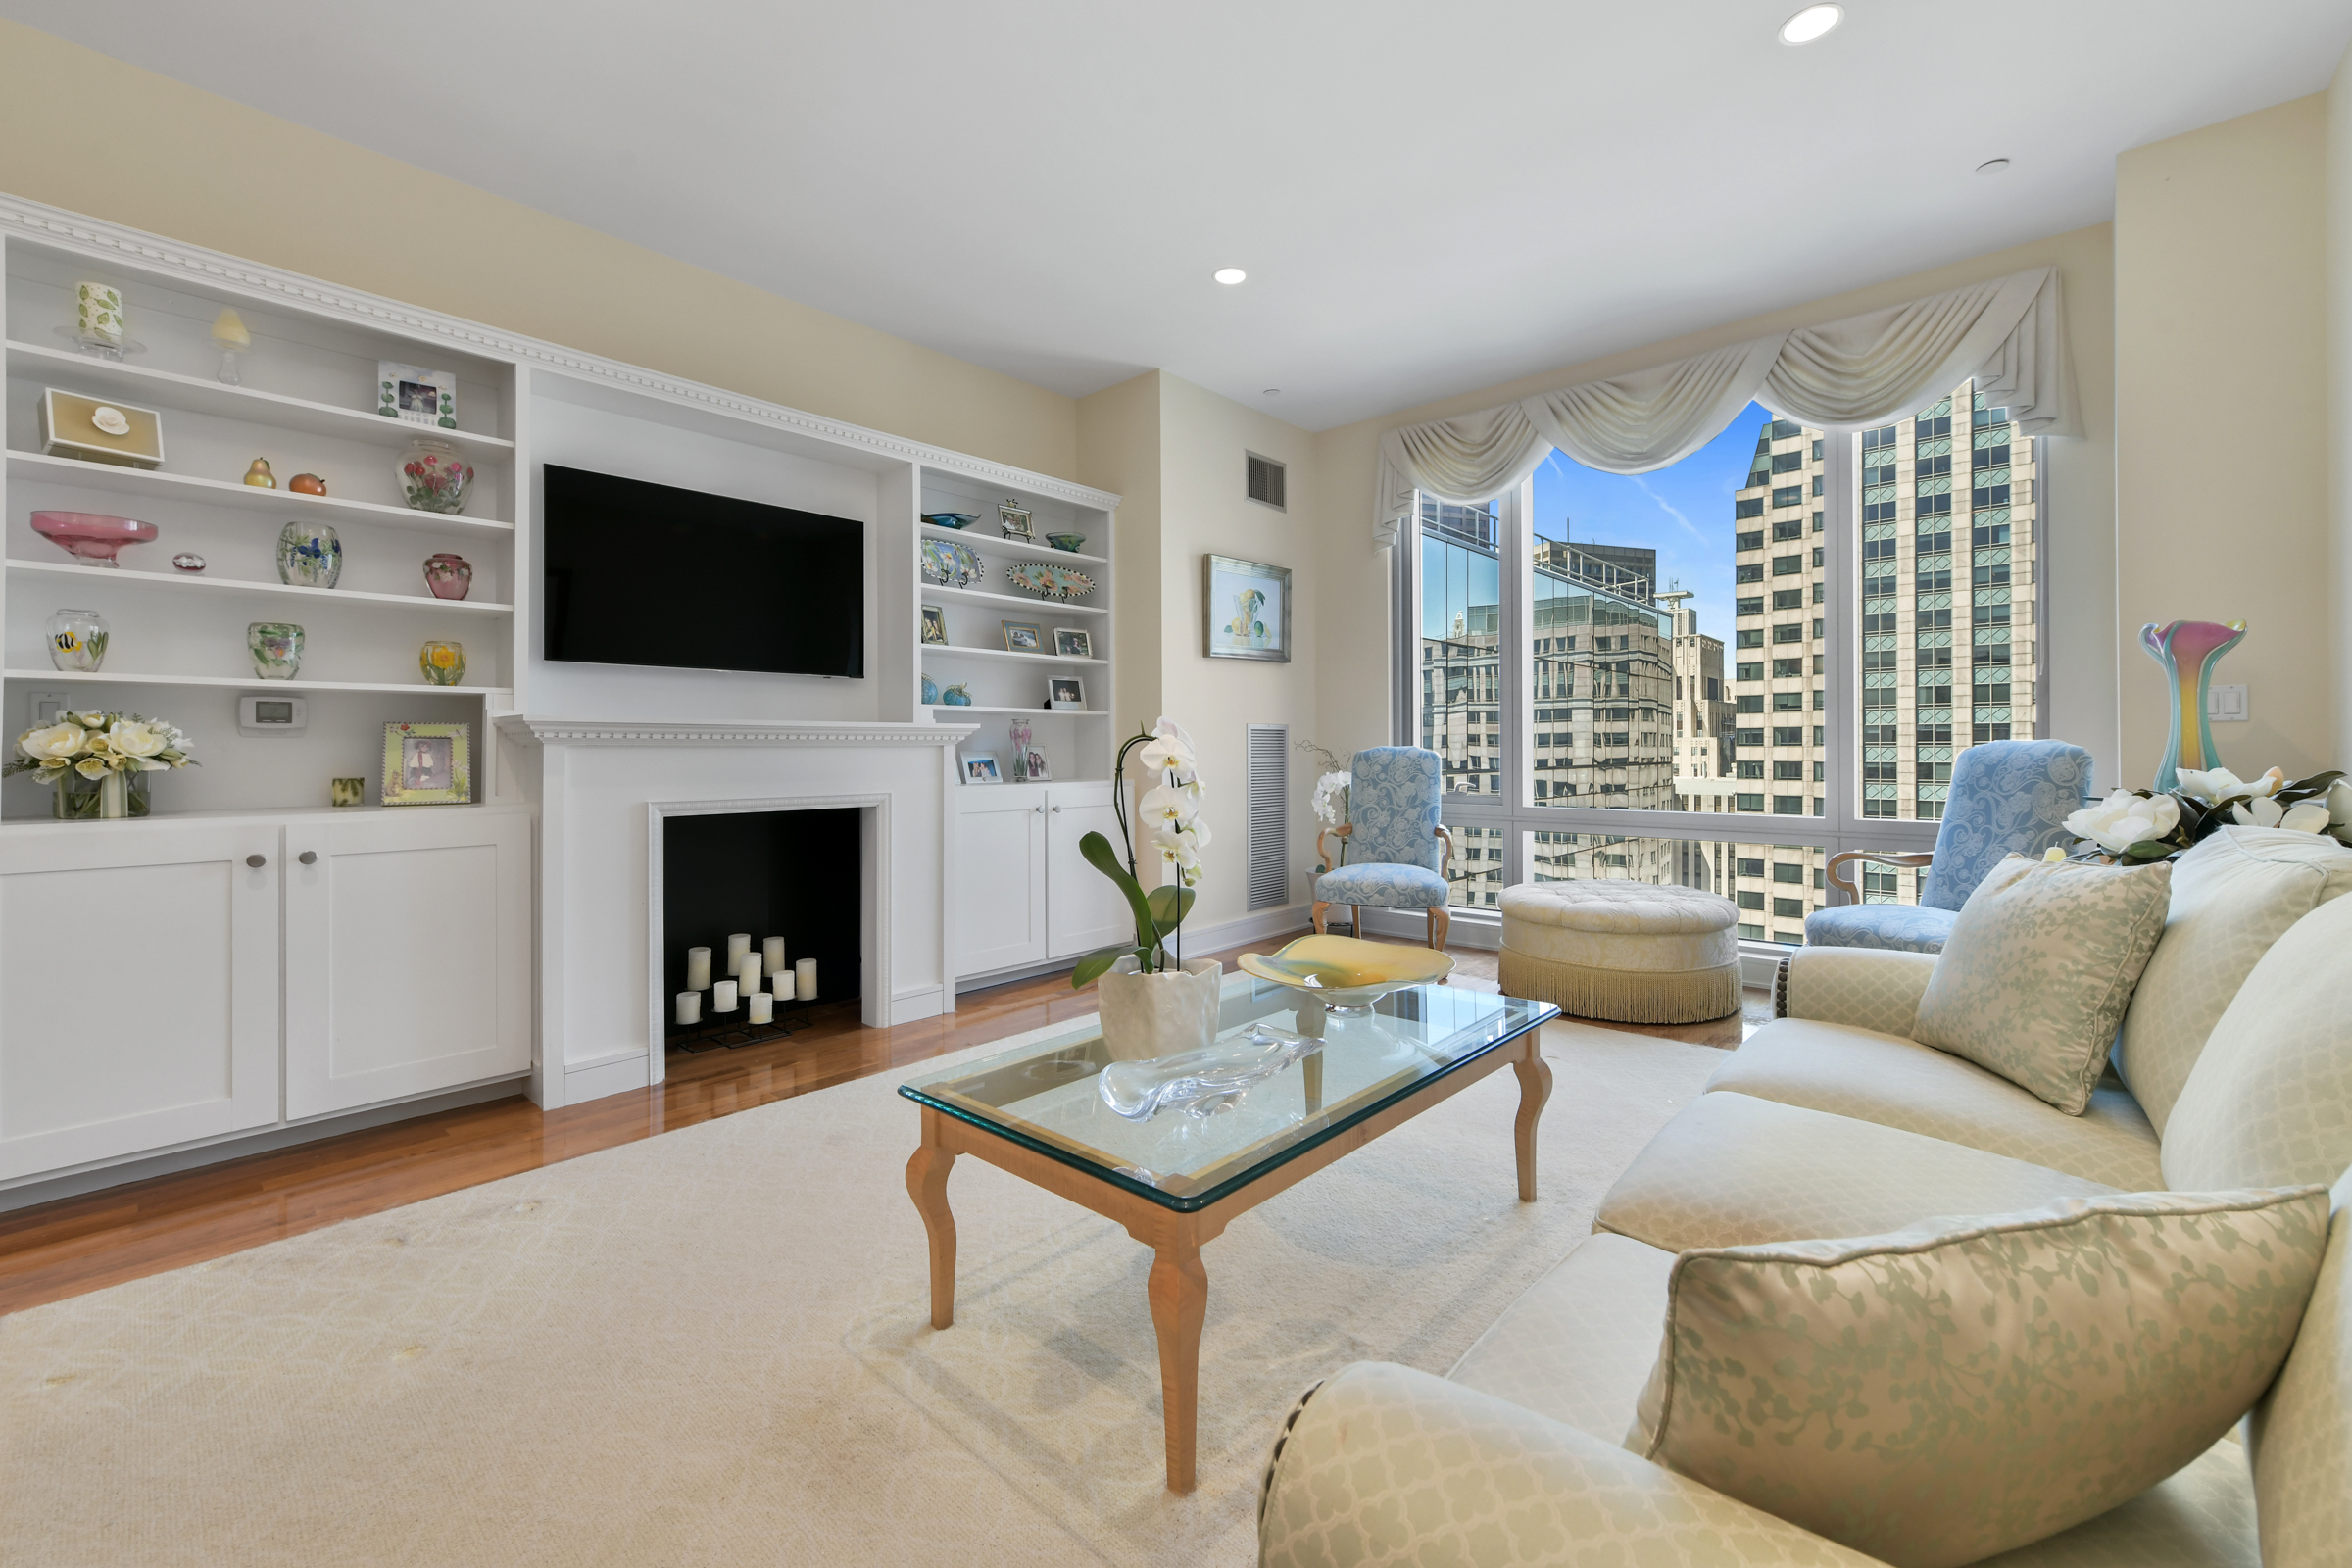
(408, 953)
(1084, 908)
(999, 879)
(139, 968)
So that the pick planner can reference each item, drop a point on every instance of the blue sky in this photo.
(1682, 512)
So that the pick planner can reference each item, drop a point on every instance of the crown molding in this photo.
(74, 231)
(535, 730)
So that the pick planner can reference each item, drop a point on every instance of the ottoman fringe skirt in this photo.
(1624, 996)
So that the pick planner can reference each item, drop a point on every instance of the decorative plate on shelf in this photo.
(951, 564)
(1051, 582)
(950, 520)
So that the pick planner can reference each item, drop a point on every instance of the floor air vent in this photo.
(1266, 481)
(1269, 819)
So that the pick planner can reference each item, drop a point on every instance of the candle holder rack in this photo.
(734, 1031)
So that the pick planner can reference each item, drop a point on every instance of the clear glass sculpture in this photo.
(1202, 1081)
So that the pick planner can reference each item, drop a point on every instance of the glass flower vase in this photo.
(443, 663)
(77, 640)
(109, 796)
(433, 477)
(2188, 650)
(308, 556)
(276, 649)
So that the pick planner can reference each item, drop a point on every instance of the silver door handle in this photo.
(256, 861)
(308, 856)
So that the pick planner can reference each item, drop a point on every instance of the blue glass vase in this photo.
(308, 556)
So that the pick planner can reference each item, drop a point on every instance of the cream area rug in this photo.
(713, 1347)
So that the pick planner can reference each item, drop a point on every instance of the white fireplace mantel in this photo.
(603, 787)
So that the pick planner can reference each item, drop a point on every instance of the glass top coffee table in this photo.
(1177, 1180)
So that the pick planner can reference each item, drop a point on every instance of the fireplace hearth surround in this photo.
(605, 790)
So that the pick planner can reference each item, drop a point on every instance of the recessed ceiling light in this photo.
(1229, 275)
(1811, 23)
(1992, 166)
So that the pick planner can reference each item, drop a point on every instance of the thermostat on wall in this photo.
(271, 716)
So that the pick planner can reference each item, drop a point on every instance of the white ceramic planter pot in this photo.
(1147, 1016)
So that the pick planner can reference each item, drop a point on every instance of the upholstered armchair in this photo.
(2006, 796)
(1402, 852)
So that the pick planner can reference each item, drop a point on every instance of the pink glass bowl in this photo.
(91, 536)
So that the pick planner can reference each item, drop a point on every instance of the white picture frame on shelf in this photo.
(416, 396)
(1065, 694)
(1034, 768)
(980, 767)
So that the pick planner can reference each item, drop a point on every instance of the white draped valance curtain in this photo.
(2008, 334)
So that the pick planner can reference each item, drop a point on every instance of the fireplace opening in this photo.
(791, 875)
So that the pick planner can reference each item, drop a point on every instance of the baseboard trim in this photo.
(35, 1190)
(914, 1006)
(610, 1075)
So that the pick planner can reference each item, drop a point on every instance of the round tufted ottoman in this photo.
(1623, 950)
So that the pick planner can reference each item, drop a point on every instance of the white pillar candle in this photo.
(738, 943)
(747, 977)
(762, 1006)
(690, 1006)
(723, 997)
(805, 980)
(781, 980)
(772, 951)
(698, 968)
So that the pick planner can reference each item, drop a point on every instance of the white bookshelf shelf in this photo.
(161, 485)
(979, 596)
(1007, 652)
(235, 585)
(988, 541)
(135, 384)
(1035, 713)
(252, 683)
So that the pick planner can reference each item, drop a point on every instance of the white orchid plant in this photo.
(2138, 827)
(93, 745)
(1168, 819)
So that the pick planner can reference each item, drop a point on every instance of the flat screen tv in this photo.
(639, 574)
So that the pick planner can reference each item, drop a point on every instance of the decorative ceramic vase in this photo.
(308, 556)
(77, 640)
(433, 477)
(276, 649)
(930, 691)
(2188, 650)
(109, 796)
(92, 537)
(448, 576)
(1147, 1016)
(443, 664)
(956, 697)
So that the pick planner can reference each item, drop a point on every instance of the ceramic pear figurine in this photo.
(260, 476)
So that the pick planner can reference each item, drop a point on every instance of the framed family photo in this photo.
(981, 768)
(428, 764)
(1014, 521)
(1023, 637)
(1073, 642)
(1245, 610)
(935, 627)
(1065, 692)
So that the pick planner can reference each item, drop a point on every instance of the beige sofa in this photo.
(2236, 1072)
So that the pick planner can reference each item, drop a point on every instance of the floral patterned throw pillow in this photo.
(1966, 1386)
(2039, 969)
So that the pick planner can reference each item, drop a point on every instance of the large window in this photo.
(1791, 623)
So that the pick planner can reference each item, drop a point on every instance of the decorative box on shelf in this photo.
(85, 428)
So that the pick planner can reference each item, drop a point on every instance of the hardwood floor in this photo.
(75, 1245)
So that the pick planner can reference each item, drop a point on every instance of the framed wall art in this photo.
(1073, 642)
(1245, 610)
(412, 396)
(428, 764)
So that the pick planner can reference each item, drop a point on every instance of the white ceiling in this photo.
(1429, 199)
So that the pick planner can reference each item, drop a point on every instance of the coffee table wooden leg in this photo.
(1535, 1088)
(927, 1184)
(1179, 1292)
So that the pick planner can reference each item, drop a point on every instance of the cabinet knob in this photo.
(308, 856)
(257, 862)
(1041, 811)
(1057, 810)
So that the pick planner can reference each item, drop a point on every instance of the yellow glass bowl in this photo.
(1346, 972)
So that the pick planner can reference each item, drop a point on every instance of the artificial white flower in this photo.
(2310, 817)
(90, 720)
(1171, 751)
(2210, 786)
(1329, 790)
(136, 737)
(2339, 803)
(2123, 819)
(56, 742)
(2260, 811)
(1179, 804)
(92, 767)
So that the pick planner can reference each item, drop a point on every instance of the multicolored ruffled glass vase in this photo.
(2188, 650)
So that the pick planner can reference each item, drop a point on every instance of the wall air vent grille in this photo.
(1268, 789)
(1268, 482)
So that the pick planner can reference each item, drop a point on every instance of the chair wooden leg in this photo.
(1355, 912)
(1315, 916)
(1441, 920)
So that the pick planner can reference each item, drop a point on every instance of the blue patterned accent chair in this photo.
(1400, 850)
(2006, 796)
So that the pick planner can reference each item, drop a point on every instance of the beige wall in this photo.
(85, 133)
(2221, 401)
(2079, 646)
(1175, 453)
(2339, 256)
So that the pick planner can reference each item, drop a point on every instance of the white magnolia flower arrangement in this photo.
(2136, 827)
(1169, 817)
(96, 744)
(1331, 785)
